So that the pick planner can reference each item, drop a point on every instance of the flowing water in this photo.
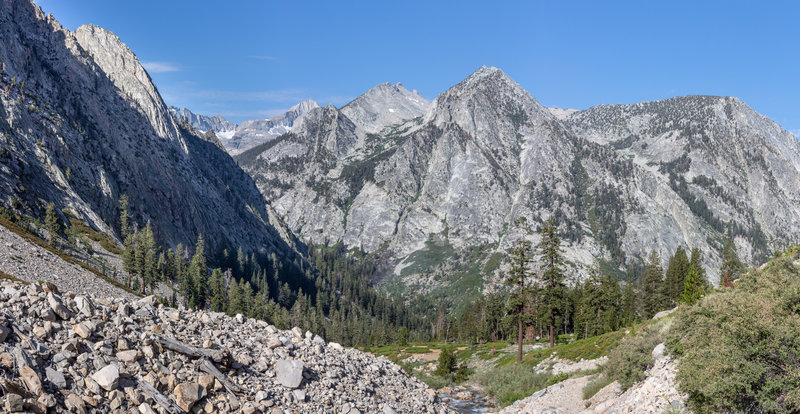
(468, 401)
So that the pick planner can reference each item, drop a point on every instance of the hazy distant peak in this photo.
(383, 105)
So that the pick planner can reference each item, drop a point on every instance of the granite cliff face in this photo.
(81, 124)
(437, 190)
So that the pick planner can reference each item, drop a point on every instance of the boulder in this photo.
(289, 373)
(188, 393)
(58, 307)
(56, 378)
(31, 380)
(108, 377)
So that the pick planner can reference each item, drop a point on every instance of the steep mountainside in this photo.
(81, 124)
(439, 192)
(222, 128)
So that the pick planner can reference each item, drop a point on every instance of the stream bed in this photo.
(467, 401)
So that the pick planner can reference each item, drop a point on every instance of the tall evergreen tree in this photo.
(697, 260)
(518, 281)
(124, 225)
(52, 224)
(731, 266)
(216, 291)
(198, 275)
(553, 289)
(149, 274)
(652, 288)
(693, 286)
(677, 269)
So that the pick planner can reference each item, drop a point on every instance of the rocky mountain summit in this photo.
(222, 128)
(81, 124)
(438, 188)
(79, 353)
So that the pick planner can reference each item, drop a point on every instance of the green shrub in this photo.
(739, 349)
(510, 383)
(447, 362)
(628, 362)
(594, 385)
(555, 379)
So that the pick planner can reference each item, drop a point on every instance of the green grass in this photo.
(105, 241)
(511, 383)
(4, 275)
(34, 239)
(588, 348)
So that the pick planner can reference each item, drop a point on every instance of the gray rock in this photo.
(56, 378)
(108, 377)
(58, 307)
(289, 373)
(14, 403)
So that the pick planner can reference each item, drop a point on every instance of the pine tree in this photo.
(731, 266)
(652, 288)
(697, 260)
(51, 222)
(235, 304)
(149, 273)
(198, 274)
(677, 269)
(553, 291)
(128, 259)
(628, 303)
(693, 286)
(124, 226)
(518, 281)
(216, 291)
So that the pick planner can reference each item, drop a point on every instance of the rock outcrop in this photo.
(81, 124)
(135, 356)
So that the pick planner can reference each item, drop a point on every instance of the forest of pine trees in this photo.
(334, 295)
(540, 301)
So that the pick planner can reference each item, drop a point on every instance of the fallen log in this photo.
(220, 357)
(159, 398)
(209, 368)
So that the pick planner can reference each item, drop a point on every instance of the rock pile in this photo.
(75, 353)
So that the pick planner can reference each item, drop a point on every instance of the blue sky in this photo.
(251, 59)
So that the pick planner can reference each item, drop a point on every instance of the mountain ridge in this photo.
(486, 151)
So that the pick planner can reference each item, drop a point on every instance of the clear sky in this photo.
(251, 59)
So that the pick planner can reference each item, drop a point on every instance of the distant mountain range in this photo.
(435, 187)
(238, 138)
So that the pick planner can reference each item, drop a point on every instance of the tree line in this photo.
(540, 303)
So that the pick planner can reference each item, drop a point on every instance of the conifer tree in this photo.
(652, 288)
(693, 286)
(677, 269)
(198, 275)
(518, 281)
(51, 222)
(216, 291)
(553, 292)
(697, 260)
(149, 273)
(731, 266)
(124, 226)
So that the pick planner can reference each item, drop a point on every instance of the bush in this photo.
(594, 385)
(739, 349)
(628, 362)
(447, 362)
(511, 383)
